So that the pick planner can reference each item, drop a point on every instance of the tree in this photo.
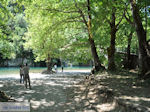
(6, 47)
(68, 15)
(12, 26)
(141, 34)
(41, 38)
(109, 14)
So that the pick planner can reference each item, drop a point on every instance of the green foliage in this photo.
(57, 29)
(12, 29)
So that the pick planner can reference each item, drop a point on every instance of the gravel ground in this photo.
(71, 91)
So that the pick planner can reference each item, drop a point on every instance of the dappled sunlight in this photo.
(135, 98)
(53, 84)
(136, 87)
(1, 85)
(122, 77)
(49, 92)
(42, 102)
(106, 106)
(68, 92)
(129, 91)
(35, 104)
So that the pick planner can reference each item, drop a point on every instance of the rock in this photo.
(4, 97)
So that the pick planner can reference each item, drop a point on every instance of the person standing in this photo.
(55, 67)
(26, 75)
(21, 74)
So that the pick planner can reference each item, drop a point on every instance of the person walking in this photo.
(26, 75)
(21, 74)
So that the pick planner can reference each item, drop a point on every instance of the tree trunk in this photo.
(141, 34)
(22, 60)
(97, 62)
(49, 67)
(111, 48)
(128, 51)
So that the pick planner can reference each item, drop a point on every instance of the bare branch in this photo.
(86, 44)
(129, 20)
(123, 15)
(74, 21)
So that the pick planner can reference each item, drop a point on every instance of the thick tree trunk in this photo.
(141, 34)
(97, 62)
(111, 52)
(49, 66)
(111, 49)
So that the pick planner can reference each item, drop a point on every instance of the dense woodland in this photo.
(77, 30)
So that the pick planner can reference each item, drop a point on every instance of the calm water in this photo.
(15, 70)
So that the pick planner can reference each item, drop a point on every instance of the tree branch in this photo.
(81, 13)
(123, 15)
(129, 20)
(61, 11)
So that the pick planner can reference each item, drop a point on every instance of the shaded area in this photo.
(130, 92)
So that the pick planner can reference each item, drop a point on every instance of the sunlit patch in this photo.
(22, 99)
(53, 84)
(135, 98)
(35, 104)
(30, 91)
(1, 85)
(77, 99)
(135, 87)
(46, 103)
(106, 106)
(46, 90)
(86, 103)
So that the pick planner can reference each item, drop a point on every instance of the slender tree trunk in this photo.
(141, 34)
(128, 50)
(97, 62)
(111, 48)
(22, 60)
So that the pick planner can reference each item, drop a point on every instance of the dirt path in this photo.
(49, 93)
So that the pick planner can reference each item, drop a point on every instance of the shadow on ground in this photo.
(71, 92)
(130, 92)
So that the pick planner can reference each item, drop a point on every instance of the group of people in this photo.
(24, 75)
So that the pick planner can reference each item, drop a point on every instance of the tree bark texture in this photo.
(129, 51)
(141, 34)
(97, 62)
(49, 67)
(111, 48)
